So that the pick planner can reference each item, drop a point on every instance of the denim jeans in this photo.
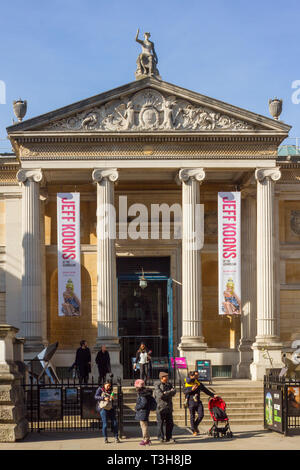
(105, 414)
(196, 409)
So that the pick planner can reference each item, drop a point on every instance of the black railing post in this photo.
(180, 391)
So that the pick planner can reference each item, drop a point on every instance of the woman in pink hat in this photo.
(144, 404)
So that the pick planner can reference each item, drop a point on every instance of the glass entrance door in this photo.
(143, 316)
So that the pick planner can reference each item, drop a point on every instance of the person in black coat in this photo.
(163, 394)
(103, 363)
(192, 391)
(142, 409)
(83, 362)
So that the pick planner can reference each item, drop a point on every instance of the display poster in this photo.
(180, 362)
(88, 403)
(71, 395)
(273, 409)
(229, 252)
(68, 253)
(50, 404)
(204, 370)
(293, 401)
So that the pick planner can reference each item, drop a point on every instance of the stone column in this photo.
(192, 340)
(248, 250)
(32, 322)
(13, 425)
(267, 346)
(106, 261)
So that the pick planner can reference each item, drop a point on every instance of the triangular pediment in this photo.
(149, 105)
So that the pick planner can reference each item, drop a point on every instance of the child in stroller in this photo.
(217, 409)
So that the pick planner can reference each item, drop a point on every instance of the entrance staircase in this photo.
(243, 398)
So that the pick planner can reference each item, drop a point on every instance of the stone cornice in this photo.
(212, 136)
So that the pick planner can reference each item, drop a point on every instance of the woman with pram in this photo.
(192, 390)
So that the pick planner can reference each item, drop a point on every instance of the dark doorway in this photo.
(143, 313)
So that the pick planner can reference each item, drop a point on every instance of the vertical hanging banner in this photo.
(229, 252)
(68, 252)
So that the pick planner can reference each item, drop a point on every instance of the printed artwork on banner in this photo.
(68, 252)
(229, 255)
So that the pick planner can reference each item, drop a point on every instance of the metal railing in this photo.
(66, 406)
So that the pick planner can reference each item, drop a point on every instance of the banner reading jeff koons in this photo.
(68, 252)
(229, 252)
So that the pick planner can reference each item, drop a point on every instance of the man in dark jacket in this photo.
(142, 409)
(163, 394)
(83, 362)
(192, 391)
(103, 363)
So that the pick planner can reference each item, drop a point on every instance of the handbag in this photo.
(105, 405)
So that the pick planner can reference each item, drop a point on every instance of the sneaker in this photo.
(106, 441)
(143, 443)
(148, 443)
(171, 440)
(195, 433)
(161, 440)
(117, 440)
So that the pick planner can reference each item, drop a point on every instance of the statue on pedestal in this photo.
(147, 59)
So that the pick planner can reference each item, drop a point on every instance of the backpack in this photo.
(152, 403)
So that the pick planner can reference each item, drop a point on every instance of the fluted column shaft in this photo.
(267, 347)
(107, 280)
(192, 335)
(249, 304)
(249, 239)
(266, 318)
(32, 325)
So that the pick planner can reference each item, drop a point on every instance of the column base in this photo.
(32, 347)
(192, 348)
(246, 358)
(113, 347)
(266, 355)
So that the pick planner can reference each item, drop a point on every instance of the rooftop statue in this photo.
(147, 59)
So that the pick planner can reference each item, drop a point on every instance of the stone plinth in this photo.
(13, 425)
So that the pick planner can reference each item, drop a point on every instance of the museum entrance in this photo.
(144, 309)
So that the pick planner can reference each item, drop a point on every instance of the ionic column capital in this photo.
(267, 173)
(101, 174)
(195, 174)
(35, 176)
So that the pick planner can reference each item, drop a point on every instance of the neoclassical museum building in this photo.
(151, 142)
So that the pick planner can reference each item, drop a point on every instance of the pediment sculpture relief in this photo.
(149, 110)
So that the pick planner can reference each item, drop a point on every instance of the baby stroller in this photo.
(217, 409)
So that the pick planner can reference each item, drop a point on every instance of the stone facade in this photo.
(153, 134)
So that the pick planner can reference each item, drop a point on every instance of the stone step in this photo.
(207, 423)
(232, 415)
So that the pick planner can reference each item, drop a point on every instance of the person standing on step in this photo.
(103, 363)
(144, 404)
(105, 405)
(143, 358)
(163, 394)
(83, 362)
(192, 391)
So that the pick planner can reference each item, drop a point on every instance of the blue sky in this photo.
(241, 52)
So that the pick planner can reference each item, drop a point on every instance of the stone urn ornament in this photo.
(20, 108)
(275, 108)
